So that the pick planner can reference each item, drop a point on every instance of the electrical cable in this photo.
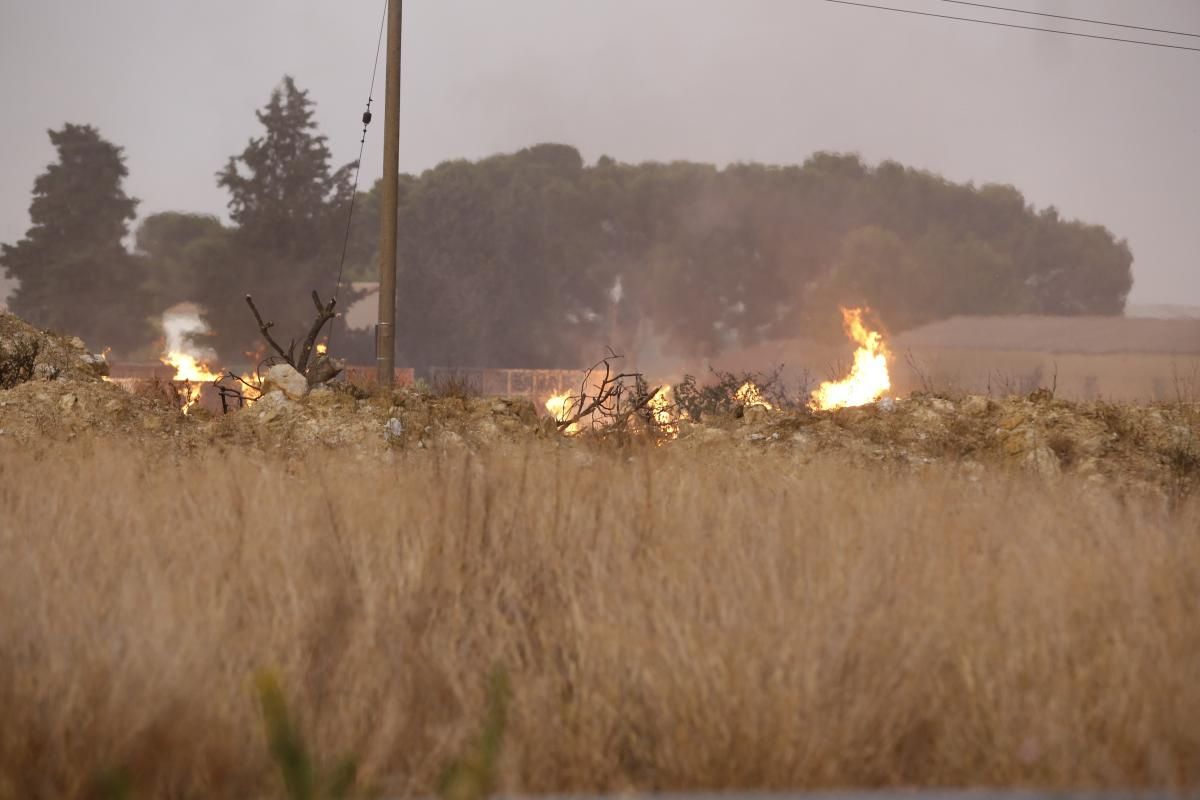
(366, 120)
(1013, 25)
(1072, 19)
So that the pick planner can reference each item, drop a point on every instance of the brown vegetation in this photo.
(667, 621)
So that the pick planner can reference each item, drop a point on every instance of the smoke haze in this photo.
(1106, 132)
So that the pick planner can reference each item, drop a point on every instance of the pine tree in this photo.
(75, 275)
(289, 209)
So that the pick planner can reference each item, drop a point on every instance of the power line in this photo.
(1073, 19)
(1013, 25)
(366, 120)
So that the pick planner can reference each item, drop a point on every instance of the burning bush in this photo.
(728, 394)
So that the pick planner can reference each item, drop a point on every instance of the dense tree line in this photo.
(538, 259)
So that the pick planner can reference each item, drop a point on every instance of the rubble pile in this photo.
(346, 417)
(53, 389)
(1147, 447)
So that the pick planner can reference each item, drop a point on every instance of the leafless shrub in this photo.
(719, 396)
(17, 361)
(456, 385)
(920, 371)
(608, 402)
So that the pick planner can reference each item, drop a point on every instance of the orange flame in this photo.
(185, 356)
(192, 373)
(560, 406)
(868, 379)
(663, 414)
(750, 395)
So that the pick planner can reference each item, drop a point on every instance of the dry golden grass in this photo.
(666, 622)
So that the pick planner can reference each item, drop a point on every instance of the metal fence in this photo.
(534, 384)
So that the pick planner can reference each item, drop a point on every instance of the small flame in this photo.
(192, 374)
(322, 348)
(559, 406)
(868, 379)
(662, 411)
(186, 357)
(750, 395)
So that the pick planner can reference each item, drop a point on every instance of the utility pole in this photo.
(385, 331)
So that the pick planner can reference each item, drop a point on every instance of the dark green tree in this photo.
(75, 275)
(288, 207)
(510, 260)
(176, 249)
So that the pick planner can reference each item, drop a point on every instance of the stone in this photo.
(1011, 421)
(754, 415)
(1043, 461)
(96, 362)
(393, 430)
(272, 405)
(975, 406)
(1019, 441)
(68, 402)
(285, 378)
(45, 372)
(941, 405)
(887, 404)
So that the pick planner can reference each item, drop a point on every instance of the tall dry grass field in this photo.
(667, 622)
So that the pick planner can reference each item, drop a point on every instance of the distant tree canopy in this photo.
(178, 249)
(536, 259)
(75, 275)
(288, 208)
(514, 259)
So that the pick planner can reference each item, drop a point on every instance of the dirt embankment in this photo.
(54, 390)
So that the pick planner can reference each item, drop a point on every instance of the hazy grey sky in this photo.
(1109, 133)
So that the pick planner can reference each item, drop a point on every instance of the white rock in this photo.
(271, 406)
(393, 430)
(286, 379)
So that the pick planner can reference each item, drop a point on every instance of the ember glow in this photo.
(868, 379)
(188, 359)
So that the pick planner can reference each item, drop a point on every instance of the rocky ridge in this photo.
(54, 390)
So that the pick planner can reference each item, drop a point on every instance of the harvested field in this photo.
(933, 591)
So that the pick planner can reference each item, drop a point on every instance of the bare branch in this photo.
(324, 314)
(265, 329)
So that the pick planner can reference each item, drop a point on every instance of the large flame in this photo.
(868, 378)
(187, 359)
(560, 406)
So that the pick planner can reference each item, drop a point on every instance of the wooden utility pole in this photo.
(385, 331)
